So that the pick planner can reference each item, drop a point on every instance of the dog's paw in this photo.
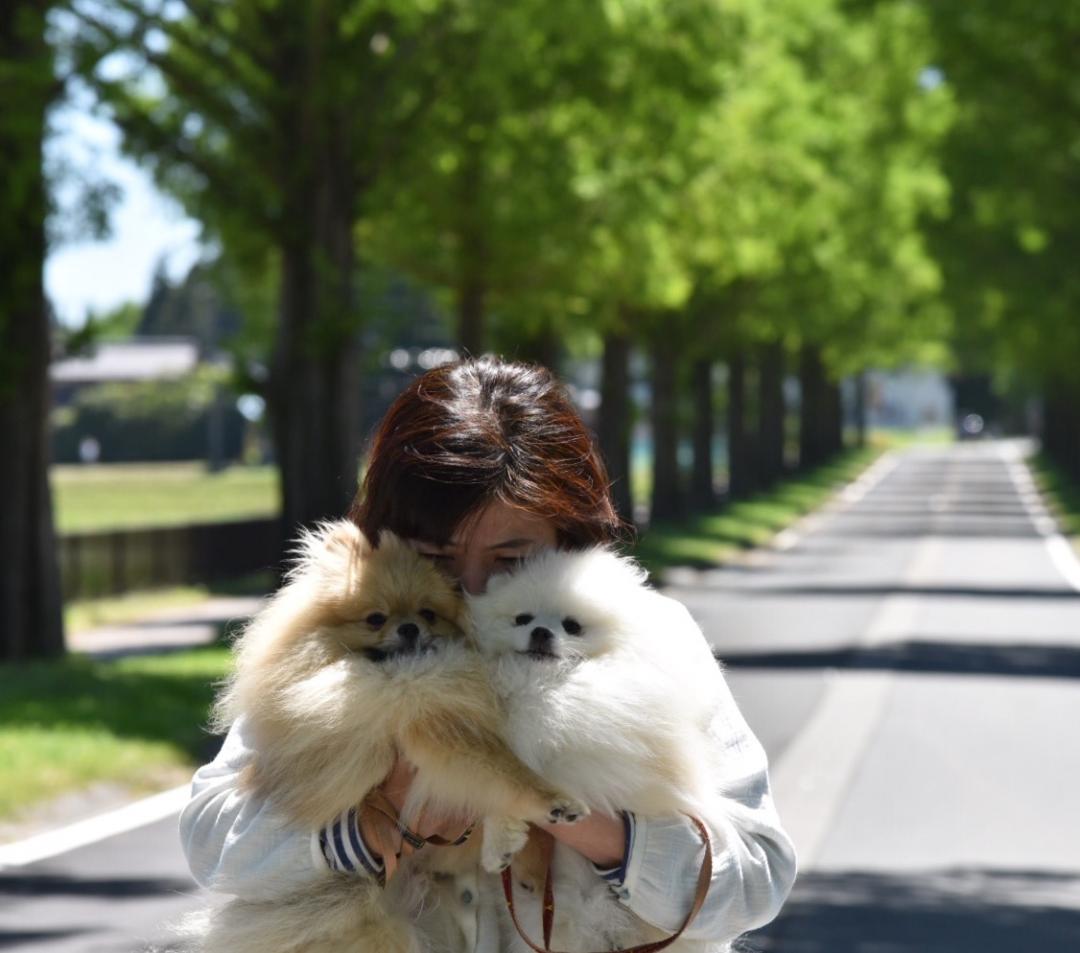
(502, 840)
(567, 810)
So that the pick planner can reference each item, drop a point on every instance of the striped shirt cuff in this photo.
(616, 875)
(344, 849)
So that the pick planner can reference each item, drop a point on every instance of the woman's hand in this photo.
(396, 790)
(599, 837)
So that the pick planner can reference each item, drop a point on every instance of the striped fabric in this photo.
(616, 875)
(344, 849)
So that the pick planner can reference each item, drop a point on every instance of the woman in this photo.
(480, 463)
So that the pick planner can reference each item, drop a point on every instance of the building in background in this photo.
(909, 398)
(140, 359)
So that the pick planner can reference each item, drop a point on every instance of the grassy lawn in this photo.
(1063, 496)
(135, 721)
(168, 494)
(712, 539)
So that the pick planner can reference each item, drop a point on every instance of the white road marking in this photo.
(1061, 552)
(847, 497)
(812, 778)
(94, 829)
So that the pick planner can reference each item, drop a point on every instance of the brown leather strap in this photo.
(383, 821)
(456, 842)
(547, 919)
(704, 878)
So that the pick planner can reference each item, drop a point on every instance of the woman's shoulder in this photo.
(670, 610)
(676, 633)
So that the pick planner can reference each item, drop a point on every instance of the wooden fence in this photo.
(99, 564)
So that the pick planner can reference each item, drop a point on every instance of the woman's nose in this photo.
(474, 579)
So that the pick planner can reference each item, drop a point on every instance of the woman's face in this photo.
(494, 542)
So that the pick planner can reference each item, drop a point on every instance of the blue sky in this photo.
(146, 225)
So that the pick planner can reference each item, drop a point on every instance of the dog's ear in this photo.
(607, 571)
(331, 550)
(343, 538)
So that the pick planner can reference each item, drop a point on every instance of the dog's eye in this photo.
(571, 626)
(428, 616)
(376, 620)
(523, 619)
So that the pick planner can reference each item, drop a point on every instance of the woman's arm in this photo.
(238, 844)
(754, 865)
(659, 859)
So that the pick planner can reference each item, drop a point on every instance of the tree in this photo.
(1010, 246)
(31, 624)
(271, 122)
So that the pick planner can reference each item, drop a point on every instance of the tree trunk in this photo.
(614, 424)
(543, 346)
(31, 623)
(666, 497)
(740, 452)
(470, 315)
(314, 379)
(860, 409)
(702, 492)
(472, 254)
(833, 419)
(772, 413)
(1061, 427)
(812, 409)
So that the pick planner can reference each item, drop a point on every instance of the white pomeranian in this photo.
(608, 701)
(361, 657)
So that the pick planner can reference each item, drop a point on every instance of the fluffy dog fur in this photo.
(605, 699)
(362, 655)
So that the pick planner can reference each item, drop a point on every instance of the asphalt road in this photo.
(911, 662)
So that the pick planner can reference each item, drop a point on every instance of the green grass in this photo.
(713, 539)
(1062, 494)
(900, 437)
(120, 496)
(136, 721)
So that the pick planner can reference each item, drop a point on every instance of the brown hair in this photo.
(478, 430)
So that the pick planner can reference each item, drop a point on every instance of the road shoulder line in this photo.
(92, 829)
(1062, 555)
(811, 779)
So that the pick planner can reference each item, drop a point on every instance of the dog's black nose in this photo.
(540, 639)
(409, 631)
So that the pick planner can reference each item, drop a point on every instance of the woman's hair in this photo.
(478, 430)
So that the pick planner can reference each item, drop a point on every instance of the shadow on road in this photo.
(945, 658)
(61, 885)
(945, 592)
(26, 938)
(947, 911)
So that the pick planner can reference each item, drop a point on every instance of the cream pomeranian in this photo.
(609, 697)
(362, 655)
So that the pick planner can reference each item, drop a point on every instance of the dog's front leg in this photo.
(465, 767)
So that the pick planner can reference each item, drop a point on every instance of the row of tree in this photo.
(1010, 248)
(702, 180)
(740, 183)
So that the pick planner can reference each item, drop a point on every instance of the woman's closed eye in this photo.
(440, 559)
